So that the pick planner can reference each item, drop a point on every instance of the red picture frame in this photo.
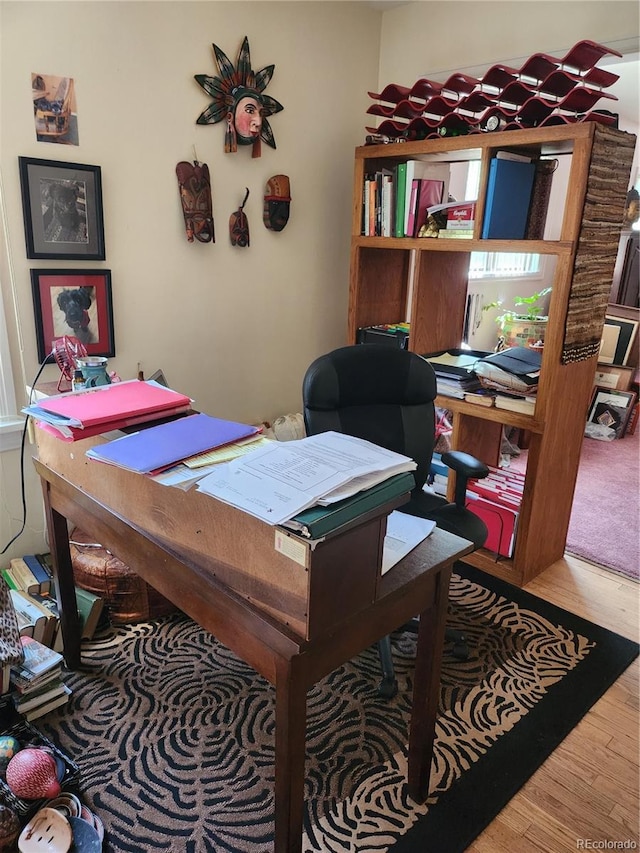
(77, 303)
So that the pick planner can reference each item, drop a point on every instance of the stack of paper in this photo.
(82, 414)
(279, 481)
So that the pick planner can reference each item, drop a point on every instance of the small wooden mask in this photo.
(277, 198)
(239, 225)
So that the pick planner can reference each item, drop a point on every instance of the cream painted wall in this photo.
(234, 328)
(425, 38)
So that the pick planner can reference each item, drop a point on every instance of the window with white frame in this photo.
(10, 423)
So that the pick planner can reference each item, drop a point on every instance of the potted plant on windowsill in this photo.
(525, 327)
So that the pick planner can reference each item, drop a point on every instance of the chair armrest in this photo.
(465, 464)
(466, 467)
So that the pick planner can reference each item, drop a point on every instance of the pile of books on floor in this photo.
(37, 682)
(32, 592)
(496, 500)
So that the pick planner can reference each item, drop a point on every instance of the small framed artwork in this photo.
(609, 413)
(75, 303)
(618, 336)
(62, 210)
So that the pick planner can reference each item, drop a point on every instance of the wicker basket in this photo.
(127, 597)
(27, 735)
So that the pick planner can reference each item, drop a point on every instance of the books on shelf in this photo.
(400, 199)
(425, 193)
(481, 397)
(509, 188)
(395, 201)
(456, 233)
(526, 405)
(420, 170)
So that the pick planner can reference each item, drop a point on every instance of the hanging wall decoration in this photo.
(197, 206)
(239, 99)
(277, 199)
(239, 225)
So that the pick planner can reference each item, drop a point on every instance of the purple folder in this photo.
(159, 447)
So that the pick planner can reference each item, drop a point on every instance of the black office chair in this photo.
(386, 395)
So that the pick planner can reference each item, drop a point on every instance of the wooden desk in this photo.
(292, 624)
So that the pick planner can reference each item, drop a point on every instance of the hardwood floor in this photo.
(586, 793)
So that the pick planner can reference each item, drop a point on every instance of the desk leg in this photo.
(426, 690)
(291, 734)
(63, 577)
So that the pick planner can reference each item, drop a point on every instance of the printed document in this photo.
(276, 482)
(404, 532)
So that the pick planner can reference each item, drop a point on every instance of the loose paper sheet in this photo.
(404, 532)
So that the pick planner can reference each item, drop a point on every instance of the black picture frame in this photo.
(609, 413)
(76, 303)
(62, 210)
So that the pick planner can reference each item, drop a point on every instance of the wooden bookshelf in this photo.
(424, 281)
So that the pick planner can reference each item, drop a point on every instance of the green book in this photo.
(90, 608)
(9, 579)
(318, 520)
(401, 182)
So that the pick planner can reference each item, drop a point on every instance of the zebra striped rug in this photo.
(174, 735)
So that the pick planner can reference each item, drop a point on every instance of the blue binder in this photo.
(508, 199)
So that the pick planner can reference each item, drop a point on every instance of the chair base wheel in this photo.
(387, 688)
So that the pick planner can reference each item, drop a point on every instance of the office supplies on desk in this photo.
(158, 447)
(317, 521)
(276, 483)
(108, 403)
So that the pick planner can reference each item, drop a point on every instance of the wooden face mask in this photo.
(277, 199)
(239, 225)
(195, 195)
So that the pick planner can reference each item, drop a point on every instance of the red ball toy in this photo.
(32, 774)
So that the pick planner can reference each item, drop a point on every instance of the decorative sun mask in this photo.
(239, 99)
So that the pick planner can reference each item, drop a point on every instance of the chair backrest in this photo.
(382, 394)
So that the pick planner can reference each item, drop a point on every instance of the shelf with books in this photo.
(424, 281)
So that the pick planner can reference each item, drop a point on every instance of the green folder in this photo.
(317, 521)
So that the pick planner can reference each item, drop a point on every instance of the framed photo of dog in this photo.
(75, 303)
(62, 209)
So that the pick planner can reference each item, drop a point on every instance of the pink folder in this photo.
(115, 402)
